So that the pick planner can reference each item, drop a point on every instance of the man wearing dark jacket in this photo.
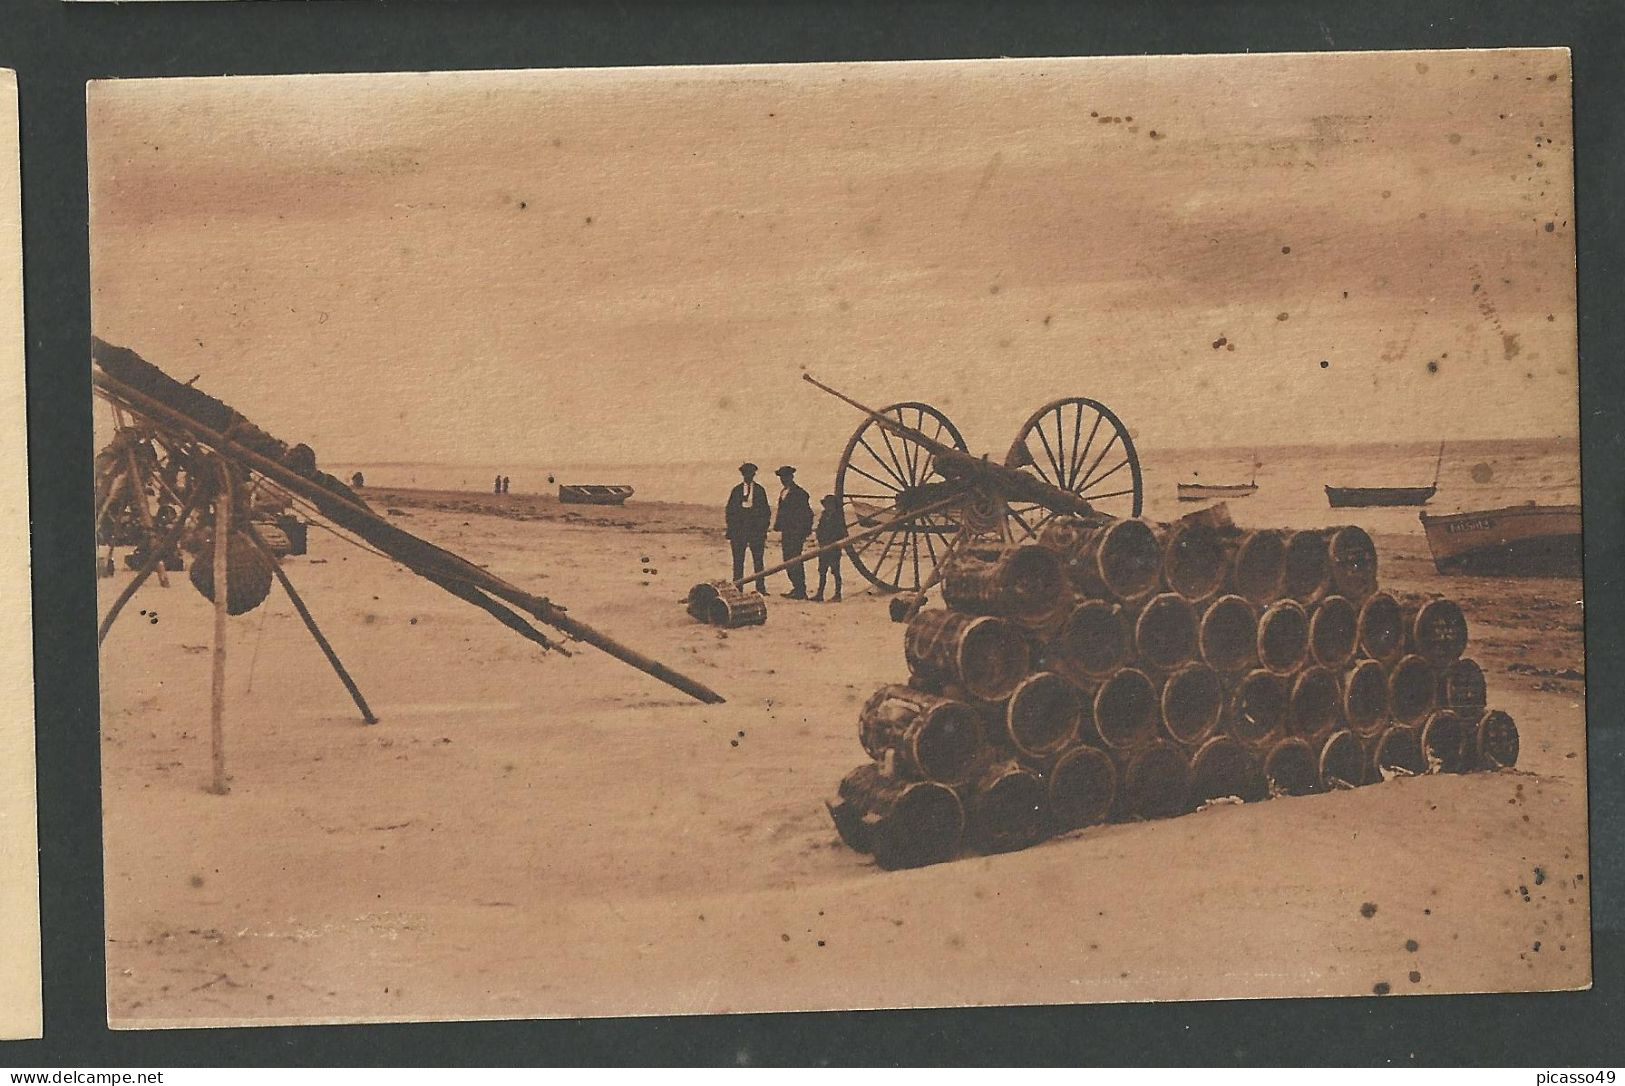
(747, 518)
(794, 524)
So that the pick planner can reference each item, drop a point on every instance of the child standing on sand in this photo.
(831, 529)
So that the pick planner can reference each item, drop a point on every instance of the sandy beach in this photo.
(529, 835)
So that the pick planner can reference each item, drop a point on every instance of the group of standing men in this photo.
(750, 517)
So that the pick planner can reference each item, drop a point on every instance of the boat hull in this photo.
(1517, 541)
(1361, 497)
(593, 494)
(1201, 492)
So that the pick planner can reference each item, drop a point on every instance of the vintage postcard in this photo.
(19, 852)
(838, 536)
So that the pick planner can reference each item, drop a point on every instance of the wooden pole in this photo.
(254, 537)
(138, 490)
(217, 693)
(153, 559)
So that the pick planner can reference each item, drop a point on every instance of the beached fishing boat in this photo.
(1201, 492)
(1205, 492)
(1527, 540)
(593, 494)
(1345, 497)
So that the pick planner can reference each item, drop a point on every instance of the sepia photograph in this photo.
(693, 540)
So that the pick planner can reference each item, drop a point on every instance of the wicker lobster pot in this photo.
(1119, 560)
(723, 603)
(1222, 767)
(1165, 632)
(931, 737)
(1353, 560)
(733, 612)
(983, 656)
(1495, 741)
(1342, 762)
(1292, 768)
(1256, 711)
(1155, 782)
(1412, 686)
(1446, 742)
(902, 823)
(1094, 641)
(1398, 749)
(1257, 565)
(1315, 705)
(1080, 788)
(1334, 629)
(1227, 636)
(1025, 583)
(1190, 703)
(1041, 718)
(1194, 562)
(1005, 809)
(1435, 630)
(1365, 698)
(248, 574)
(1283, 637)
(1462, 687)
(1308, 567)
(1382, 628)
(1125, 710)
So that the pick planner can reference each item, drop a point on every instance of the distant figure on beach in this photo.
(496, 485)
(358, 480)
(748, 516)
(794, 524)
(506, 482)
(831, 529)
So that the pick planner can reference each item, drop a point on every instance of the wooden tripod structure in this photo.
(218, 451)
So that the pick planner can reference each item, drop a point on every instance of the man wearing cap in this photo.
(748, 517)
(794, 524)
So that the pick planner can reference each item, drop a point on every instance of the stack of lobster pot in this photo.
(1118, 669)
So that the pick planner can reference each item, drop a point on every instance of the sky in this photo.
(632, 265)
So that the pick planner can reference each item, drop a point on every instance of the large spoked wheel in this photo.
(1078, 445)
(881, 477)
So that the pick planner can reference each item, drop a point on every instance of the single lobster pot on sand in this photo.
(725, 604)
